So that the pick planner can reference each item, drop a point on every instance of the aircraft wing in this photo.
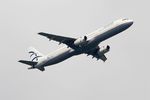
(102, 57)
(97, 55)
(61, 39)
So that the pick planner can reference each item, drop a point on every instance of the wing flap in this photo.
(103, 58)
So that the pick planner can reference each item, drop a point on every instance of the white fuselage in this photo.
(93, 39)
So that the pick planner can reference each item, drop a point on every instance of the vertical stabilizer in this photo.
(34, 54)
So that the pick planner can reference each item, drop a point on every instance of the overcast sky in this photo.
(124, 76)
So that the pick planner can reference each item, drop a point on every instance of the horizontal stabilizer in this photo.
(41, 69)
(32, 63)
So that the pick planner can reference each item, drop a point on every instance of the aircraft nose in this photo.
(130, 22)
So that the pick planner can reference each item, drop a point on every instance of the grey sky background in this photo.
(124, 76)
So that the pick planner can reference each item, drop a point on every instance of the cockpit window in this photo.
(124, 19)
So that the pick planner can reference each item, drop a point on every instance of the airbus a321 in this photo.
(88, 44)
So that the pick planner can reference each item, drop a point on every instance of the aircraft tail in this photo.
(31, 63)
(34, 58)
(34, 54)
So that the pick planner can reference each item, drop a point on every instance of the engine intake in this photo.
(80, 41)
(105, 49)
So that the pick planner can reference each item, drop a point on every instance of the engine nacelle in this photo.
(104, 49)
(80, 41)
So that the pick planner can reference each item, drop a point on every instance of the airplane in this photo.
(88, 44)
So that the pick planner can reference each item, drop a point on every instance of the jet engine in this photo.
(80, 41)
(104, 50)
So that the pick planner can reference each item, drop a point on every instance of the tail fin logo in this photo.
(34, 54)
